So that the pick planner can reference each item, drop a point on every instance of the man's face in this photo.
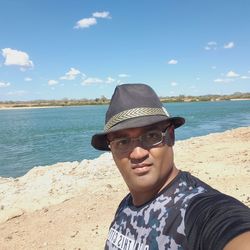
(144, 169)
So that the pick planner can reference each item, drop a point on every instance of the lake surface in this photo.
(36, 137)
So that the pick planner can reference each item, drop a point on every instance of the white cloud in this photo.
(27, 79)
(211, 45)
(119, 82)
(219, 80)
(96, 80)
(245, 77)
(85, 23)
(92, 80)
(16, 57)
(223, 80)
(174, 84)
(71, 74)
(232, 74)
(123, 75)
(172, 61)
(230, 45)
(104, 14)
(4, 84)
(52, 82)
(110, 80)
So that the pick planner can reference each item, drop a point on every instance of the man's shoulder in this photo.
(214, 218)
(193, 181)
(210, 200)
(186, 186)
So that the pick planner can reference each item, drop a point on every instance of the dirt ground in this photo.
(70, 205)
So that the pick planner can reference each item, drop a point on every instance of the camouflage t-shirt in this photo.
(162, 223)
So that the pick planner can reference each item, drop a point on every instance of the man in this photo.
(166, 208)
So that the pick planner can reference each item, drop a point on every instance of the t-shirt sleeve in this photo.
(212, 220)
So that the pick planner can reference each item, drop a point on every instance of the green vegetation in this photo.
(104, 100)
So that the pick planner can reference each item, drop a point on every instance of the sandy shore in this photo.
(70, 205)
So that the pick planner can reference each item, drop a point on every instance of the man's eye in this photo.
(153, 134)
(122, 142)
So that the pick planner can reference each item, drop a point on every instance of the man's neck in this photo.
(142, 197)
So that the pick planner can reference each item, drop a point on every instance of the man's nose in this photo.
(138, 152)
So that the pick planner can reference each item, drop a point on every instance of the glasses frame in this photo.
(140, 139)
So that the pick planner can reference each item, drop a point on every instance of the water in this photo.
(35, 137)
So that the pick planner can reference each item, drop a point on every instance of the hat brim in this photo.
(99, 140)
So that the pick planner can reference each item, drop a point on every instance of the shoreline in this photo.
(32, 207)
(240, 99)
(29, 106)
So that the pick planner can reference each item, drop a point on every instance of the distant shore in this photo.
(238, 96)
(14, 107)
(46, 106)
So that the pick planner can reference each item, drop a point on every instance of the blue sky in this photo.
(82, 49)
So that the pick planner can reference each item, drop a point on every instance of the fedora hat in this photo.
(133, 106)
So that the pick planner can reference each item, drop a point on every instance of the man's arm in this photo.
(217, 221)
(241, 242)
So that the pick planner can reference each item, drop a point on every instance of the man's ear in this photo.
(170, 136)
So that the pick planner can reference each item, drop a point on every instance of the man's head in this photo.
(140, 134)
(133, 106)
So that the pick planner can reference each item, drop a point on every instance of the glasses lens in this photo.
(121, 144)
(151, 138)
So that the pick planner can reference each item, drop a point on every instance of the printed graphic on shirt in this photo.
(124, 243)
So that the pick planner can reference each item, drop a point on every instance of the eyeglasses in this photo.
(148, 140)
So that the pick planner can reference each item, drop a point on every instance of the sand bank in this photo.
(70, 205)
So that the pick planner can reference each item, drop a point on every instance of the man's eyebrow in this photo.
(113, 136)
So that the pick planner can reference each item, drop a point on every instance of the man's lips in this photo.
(141, 168)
